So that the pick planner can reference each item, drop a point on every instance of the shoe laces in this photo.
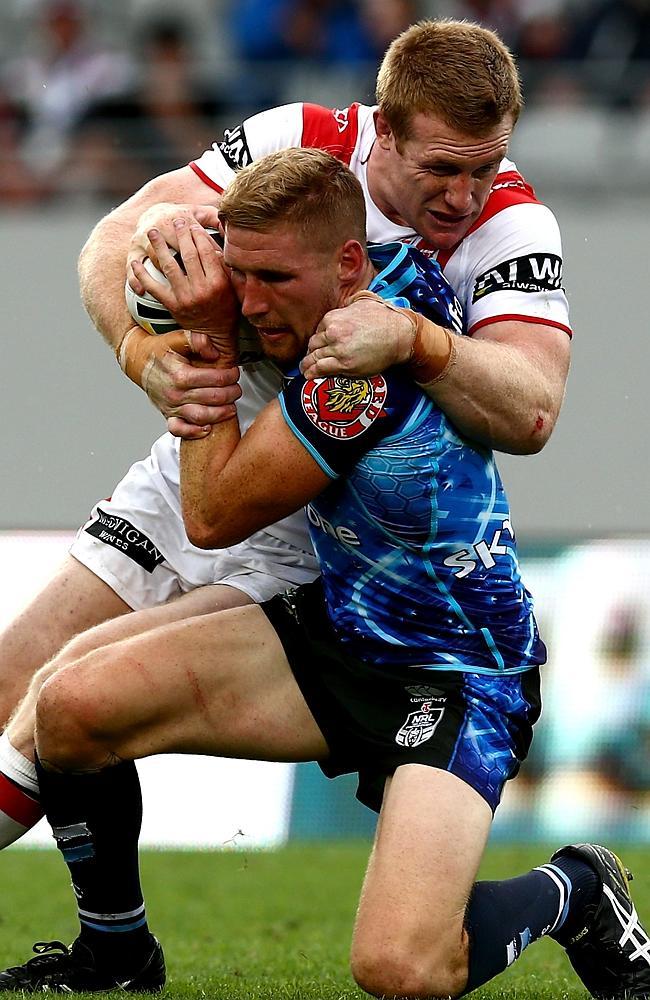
(48, 954)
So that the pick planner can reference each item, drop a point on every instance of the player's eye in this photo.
(273, 277)
(485, 170)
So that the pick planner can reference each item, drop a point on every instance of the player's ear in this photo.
(352, 261)
(383, 129)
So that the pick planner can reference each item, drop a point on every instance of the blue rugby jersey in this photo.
(413, 536)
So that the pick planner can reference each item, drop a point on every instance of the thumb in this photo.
(179, 341)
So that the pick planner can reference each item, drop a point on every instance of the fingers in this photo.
(318, 364)
(187, 377)
(161, 217)
(207, 216)
(189, 432)
(192, 421)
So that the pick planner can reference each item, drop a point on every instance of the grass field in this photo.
(258, 926)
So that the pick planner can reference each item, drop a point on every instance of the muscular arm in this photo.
(192, 396)
(102, 263)
(504, 390)
(232, 486)
(507, 385)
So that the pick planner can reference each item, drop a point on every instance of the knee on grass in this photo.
(391, 973)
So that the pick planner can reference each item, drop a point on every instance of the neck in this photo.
(375, 177)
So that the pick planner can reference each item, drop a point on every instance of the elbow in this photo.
(217, 534)
(202, 534)
(201, 538)
(535, 435)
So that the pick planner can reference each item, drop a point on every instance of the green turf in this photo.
(256, 926)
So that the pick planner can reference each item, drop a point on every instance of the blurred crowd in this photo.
(95, 97)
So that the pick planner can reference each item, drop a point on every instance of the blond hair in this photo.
(455, 70)
(306, 188)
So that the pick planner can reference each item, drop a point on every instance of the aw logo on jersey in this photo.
(342, 406)
(535, 273)
(234, 148)
(419, 726)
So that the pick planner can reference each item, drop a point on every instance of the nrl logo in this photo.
(419, 726)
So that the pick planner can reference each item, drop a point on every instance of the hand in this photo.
(199, 295)
(363, 338)
(161, 217)
(177, 371)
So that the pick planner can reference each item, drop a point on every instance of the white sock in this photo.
(20, 808)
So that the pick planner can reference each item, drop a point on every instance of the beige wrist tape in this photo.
(138, 352)
(128, 354)
(434, 350)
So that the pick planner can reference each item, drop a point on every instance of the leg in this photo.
(409, 939)
(73, 601)
(216, 684)
(425, 931)
(204, 600)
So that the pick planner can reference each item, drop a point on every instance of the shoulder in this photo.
(335, 130)
(510, 188)
(341, 417)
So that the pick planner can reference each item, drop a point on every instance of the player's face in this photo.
(284, 285)
(438, 180)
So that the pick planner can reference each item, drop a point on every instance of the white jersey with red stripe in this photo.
(507, 267)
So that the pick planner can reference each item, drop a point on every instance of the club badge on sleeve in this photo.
(342, 406)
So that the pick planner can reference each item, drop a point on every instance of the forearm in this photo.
(102, 272)
(103, 259)
(502, 388)
(501, 395)
(201, 463)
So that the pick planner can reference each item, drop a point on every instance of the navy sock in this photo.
(504, 917)
(585, 889)
(96, 819)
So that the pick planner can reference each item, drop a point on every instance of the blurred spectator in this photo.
(543, 47)
(56, 85)
(612, 39)
(17, 185)
(167, 119)
(275, 37)
(502, 16)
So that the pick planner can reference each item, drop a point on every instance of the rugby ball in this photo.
(147, 310)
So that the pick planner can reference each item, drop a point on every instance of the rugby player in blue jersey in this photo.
(413, 661)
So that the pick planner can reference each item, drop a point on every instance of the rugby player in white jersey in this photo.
(431, 161)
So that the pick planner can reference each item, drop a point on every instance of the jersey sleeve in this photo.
(509, 266)
(339, 418)
(266, 132)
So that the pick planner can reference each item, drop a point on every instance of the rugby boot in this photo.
(611, 950)
(58, 968)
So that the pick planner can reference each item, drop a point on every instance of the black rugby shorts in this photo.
(375, 717)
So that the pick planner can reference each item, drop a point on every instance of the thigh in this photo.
(204, 600)
(430, 838)
(215, 684)
(74, 600)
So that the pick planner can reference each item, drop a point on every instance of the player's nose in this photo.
(459, 193)
(254, 301)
